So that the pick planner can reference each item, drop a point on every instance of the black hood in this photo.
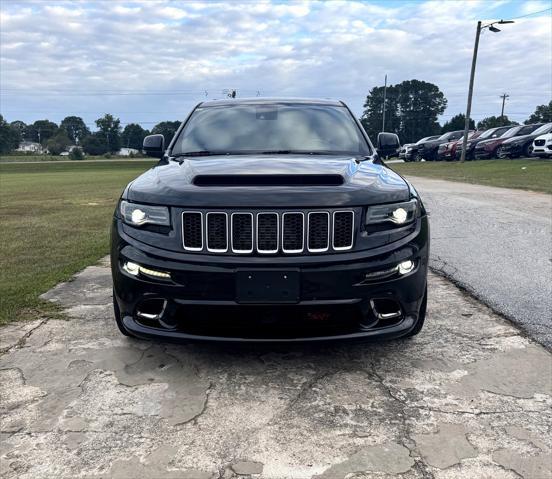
(265, 181)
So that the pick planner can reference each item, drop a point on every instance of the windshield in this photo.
(271, 128)
(493, 132)
(543, 129)
(511, 132)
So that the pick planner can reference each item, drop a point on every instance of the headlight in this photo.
(398, 213)
(138, 215)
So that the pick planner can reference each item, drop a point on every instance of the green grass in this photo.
(533, 175)
(55, 221)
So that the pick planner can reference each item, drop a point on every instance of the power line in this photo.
(532, 13)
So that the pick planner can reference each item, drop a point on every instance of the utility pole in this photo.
(470, 93)
(384, 97)
(492, 28)
(503, 96)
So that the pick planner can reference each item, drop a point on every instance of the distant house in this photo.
(128, 151)
(30, 147)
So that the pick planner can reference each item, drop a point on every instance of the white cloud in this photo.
(160, 57)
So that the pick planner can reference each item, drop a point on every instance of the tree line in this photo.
(412, 109)
(110, 137)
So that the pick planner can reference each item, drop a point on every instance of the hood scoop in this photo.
(268, 180)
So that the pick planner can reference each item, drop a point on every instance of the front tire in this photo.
(421, 318)
(528, 150)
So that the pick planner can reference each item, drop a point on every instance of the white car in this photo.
(542, 146)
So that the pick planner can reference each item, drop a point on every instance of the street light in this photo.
(492, 28)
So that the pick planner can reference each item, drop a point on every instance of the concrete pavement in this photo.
(470, 397)
(496, 243)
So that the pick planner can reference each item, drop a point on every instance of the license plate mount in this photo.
(262, 286)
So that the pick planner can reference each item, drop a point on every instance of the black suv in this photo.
(428, 150)
(270, 220)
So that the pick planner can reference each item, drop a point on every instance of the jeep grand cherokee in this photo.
(270, 220)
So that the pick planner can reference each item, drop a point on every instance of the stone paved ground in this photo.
(468, 398)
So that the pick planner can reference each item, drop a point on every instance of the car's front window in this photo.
(271, 128)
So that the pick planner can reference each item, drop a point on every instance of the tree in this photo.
(133, 136)
(110, 130)
(372, 119)
(542, 114)
(457, 122)
(95, 144)
(58, 143)
(494, 121)
(412, 109)
(19, 126)
(167, 129)
(41, 131)
(76, 154)
(9, 136)
(75, 128)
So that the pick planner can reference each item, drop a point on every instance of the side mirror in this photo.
(154, 145)
(388, 144)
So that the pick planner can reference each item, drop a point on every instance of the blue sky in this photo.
(149, 61)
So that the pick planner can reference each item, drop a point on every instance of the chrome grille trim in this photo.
(216, 250)
(241, 251)
(300, 243)
(292, 251)
(267, 251)
(192, 248)
(317, 250)
(350, 245)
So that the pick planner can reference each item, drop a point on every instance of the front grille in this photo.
(242, 232)
(192, 230)
(268, 232)
(539, 142)
(217, 232)
(319, 231)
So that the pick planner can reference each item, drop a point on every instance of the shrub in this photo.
(76, 154)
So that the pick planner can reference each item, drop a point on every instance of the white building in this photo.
(30, 147)
(127, 151)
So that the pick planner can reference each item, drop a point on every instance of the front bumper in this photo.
(510, 150)
(335, 300)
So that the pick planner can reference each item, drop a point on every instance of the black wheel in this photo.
(418, 156)
(421, 318)
(528, 150)
(118, 319)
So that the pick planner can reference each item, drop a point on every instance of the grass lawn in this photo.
(55, 221)
(533, 175)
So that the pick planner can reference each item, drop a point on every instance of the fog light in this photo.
(406, 267)
(152, 272)
(135, 269)
(131, 268)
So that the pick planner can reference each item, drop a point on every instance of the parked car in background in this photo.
(447, 151)
(403, 151)
(474, 140)
(412, 153)
(427, 150)
(542, 146)
(522, 145)
(488, 148)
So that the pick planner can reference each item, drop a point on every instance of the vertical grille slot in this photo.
(318, 231)
(242, 232)
(192, 230)
(267, 232)
(343, 227)
(293, 235)
(217, 232)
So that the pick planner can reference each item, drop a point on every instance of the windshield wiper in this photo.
(297, 152)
